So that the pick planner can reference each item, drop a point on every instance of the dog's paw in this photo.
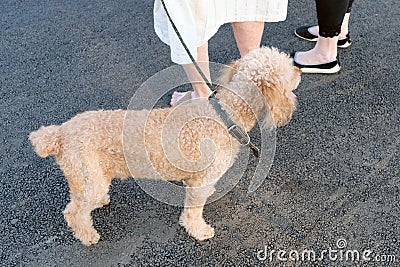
(89, 237)
(199, 229)
(204, 233)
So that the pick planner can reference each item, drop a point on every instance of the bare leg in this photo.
(345, 26)
(248, 35)
(200, 88)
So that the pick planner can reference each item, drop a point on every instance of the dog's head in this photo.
(275, 76)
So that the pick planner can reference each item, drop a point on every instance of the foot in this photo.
(182, 97)
(314, 30)
(312, 57)
(179, 97)
(324, 67)
(311, 33)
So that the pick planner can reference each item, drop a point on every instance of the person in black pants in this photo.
(332, 32)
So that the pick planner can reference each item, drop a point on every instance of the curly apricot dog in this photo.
(96, 146)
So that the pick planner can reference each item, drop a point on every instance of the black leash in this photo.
(236, 131)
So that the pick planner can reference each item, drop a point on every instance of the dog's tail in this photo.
(46, 140)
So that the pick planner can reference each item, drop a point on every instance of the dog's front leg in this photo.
(192, 215)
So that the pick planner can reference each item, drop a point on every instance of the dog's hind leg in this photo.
(77, 215)
(89, 190)
(192, 215)
(77, 212)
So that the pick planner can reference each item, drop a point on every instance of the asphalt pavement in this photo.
(333, 188)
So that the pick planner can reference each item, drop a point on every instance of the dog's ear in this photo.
(271, 87)
(281, 102)
(227, 73)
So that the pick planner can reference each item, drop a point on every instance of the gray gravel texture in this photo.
(336, 169)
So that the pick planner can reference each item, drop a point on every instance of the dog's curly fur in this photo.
(96, 146)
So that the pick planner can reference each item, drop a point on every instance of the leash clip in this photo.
(243, 138)
(239, 134)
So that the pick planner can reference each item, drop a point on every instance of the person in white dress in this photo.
(198, 20)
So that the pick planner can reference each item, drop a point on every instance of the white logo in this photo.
(339, 253)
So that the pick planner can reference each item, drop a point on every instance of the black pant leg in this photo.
(330, 15)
